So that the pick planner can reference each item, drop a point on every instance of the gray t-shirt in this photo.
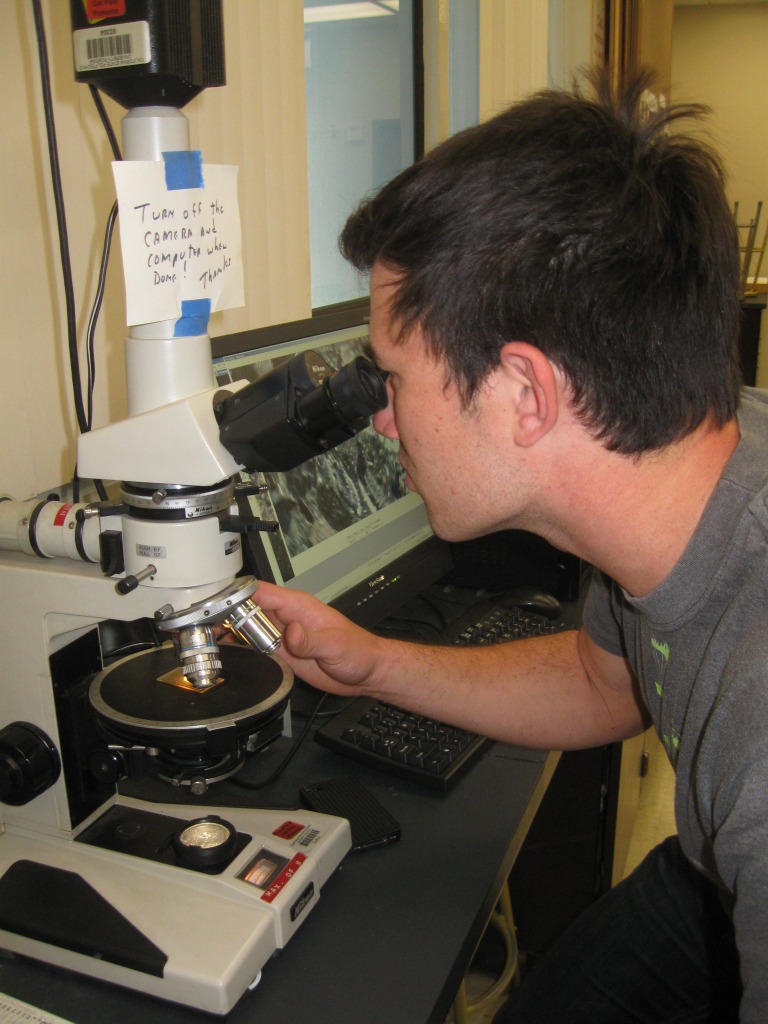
(699, 646)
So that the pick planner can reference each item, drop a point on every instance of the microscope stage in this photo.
(144, 697)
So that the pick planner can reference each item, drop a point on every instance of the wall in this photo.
(720, 57)
(576, 39)
(513, 52)
(256, 122)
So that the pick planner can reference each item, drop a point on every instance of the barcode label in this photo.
(309, 837)
(119, 46)
(109, 46)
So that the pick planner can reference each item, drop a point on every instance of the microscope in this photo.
(111, 617)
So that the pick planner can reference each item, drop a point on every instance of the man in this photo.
(555, 303)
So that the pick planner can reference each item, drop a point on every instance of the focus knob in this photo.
(29, 763)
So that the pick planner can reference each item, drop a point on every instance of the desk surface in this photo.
(395, 928)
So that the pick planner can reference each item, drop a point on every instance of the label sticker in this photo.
(288, 830)
(151, 551)
(61, 515)
(274, 890)
(98, 10)
(310, 836)
(118, 46)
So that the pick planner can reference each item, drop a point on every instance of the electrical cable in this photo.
(294, 749)
(83, 411)
(96, 96)
(61, 219)
(503, 921)
(91, 331)
(96, 309)
(99, 297)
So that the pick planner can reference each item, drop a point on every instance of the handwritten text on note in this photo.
(178, 244)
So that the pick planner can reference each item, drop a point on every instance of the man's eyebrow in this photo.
(369, 352)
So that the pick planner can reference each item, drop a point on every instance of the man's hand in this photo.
(321, 646)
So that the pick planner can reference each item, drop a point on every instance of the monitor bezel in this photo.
(343, 315)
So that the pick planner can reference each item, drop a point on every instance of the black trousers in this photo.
(657, 949)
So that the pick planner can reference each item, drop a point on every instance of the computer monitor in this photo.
(350, 531)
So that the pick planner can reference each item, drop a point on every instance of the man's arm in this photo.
(555, 692)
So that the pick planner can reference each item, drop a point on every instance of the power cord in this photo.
(83, 410)
(294, 749)
(61, 217)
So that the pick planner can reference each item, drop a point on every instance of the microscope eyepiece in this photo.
(358, 388)
(346, 398)
(298, 410)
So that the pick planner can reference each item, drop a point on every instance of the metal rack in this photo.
(752, 252)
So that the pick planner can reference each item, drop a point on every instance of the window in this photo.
(361, 129)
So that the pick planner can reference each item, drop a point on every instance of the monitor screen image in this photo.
(350, 531)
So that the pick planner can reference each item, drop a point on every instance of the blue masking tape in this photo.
(183, 169)
(195, 314)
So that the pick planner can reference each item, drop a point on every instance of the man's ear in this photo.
(532, 383)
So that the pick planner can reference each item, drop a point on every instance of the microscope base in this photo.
(147, 923)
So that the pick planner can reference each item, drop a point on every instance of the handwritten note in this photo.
(178, 244)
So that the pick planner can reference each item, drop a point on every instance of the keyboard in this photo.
(401, 743)
(411, 746)
(497, 623)
(16, 1011)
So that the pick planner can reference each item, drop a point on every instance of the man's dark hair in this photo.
(591, 228)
